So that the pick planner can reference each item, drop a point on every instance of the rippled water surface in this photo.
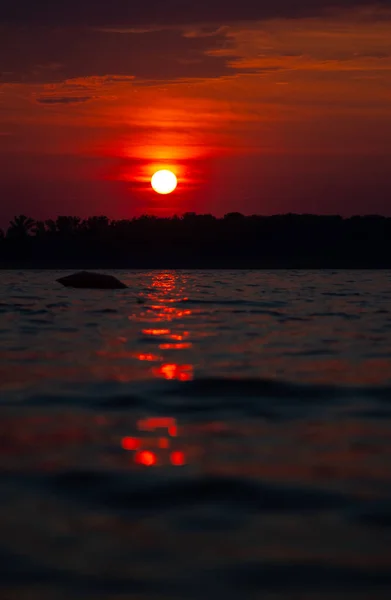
(201, 435)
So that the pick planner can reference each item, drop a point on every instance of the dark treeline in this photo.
(198, 241)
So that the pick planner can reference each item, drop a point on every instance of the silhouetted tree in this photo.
(194, 240)
(21, 226)
(67, 226)
(189, 216)
(233, 216)
(96, 224)
(51, 226)
(39, 229)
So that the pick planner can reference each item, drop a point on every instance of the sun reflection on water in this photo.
(165, 290)
(157, 450)
(174, 371)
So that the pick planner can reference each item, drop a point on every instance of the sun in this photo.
(164, 182)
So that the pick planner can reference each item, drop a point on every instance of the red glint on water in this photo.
(129, 443)
(173, 431)
(146, 458)
(147, 357)
(174, 371)
(178, 458)
(152, 423)
(181, 346)
(156, 331)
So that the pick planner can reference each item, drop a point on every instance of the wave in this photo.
(302, 576)
(236, 302)
(142, 495)
(267, 398)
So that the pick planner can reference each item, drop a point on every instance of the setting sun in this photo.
(164, 182)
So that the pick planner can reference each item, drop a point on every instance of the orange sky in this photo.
(262, 115)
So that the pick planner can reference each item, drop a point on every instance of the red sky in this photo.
(257, 108)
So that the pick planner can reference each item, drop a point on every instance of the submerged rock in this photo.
(87, 280)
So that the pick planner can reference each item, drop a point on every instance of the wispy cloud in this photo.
(122, 14)
(50, 100)
(62, 54)
(125, 30)
(204, 32)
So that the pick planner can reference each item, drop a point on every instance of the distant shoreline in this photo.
(200, 267)
(203, 242)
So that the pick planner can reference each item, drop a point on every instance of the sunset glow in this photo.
(164, 182)
(253, 109)
(195, 292)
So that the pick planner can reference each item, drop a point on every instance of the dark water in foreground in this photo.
(229, 437)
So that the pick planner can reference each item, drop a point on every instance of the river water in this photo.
(200, 435)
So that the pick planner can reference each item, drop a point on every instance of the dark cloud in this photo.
(44, 54)
(50, 100)
(153, 40)
(128, 13)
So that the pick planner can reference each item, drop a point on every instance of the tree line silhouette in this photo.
(198, 241)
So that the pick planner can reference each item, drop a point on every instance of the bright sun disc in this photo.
(164, 182)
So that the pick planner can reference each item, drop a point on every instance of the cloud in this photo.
(125, 14)
(204, 32)
(128, 29)
(343, 42)
(52, 55)
(50, 100)
(181, 41)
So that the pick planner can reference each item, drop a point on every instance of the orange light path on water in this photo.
(177, 458)
(173, 371)
(175, 346)
(146, 458)
(153, 423)
(155, 331)
(148, 357)
(129, 443)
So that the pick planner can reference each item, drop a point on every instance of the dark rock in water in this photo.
(88, 280)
